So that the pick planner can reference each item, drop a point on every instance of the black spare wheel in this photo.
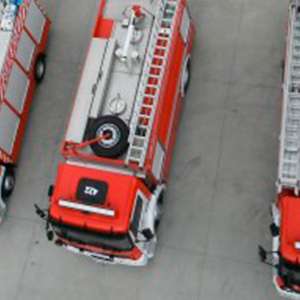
(115, 136)
(8, 183)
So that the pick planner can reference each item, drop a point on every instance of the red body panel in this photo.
(103, 27)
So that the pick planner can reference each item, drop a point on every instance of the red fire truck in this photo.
(106, 201)
(24, 30)
(285, 228)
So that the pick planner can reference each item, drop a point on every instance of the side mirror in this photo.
(50, 235)
(40, 212)
(262, 254)
(274, 229)
(148, 234)
(50, 190)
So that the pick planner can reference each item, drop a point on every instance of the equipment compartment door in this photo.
(185, 25)
(17, 88)
(35, 22)
(9, 123)
(25, 51)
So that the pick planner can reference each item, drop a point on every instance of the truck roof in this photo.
(114, 208)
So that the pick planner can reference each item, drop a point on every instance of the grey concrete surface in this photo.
(222, 180)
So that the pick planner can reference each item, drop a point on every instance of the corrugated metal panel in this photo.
(85, 94)
(35, 21)
(17, 88)
(9, 123)
(158, 161)
(25, 51)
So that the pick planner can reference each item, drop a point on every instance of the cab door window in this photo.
(135, 223)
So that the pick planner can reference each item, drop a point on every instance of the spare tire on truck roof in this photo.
(116, 134)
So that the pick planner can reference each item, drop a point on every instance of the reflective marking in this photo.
(87, 208)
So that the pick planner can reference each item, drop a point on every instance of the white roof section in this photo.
(105, 77)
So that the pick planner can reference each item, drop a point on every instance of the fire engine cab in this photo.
(106, 201)
(285, 228)
(24, 29)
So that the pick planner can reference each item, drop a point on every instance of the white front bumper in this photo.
(99, 258)
(286, 294)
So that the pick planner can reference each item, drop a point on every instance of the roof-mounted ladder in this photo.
(151, 81)
(289, 163)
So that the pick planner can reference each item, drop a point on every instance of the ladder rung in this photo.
(136, 148)
(169, 11)
(144, 116)
(296, 52)
(163, 38)
(143, 126)
(293, 114)
(294, 95)
(152, 86)
(295, 106)
(147, 106)
(157, 56)
(168, 20)
(154, 76)
(160, 48)
(292, 149)
(296, 65)
(157, 66)
(295, 75)
(166, 31)
(149, 95)
(133, 159)
(139, 138)
(295, 83)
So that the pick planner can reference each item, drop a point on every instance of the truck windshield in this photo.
(122, 242)
(290, 273)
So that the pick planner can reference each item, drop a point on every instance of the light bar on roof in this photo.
(87, 208)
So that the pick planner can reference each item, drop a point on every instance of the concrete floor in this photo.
(223, 173)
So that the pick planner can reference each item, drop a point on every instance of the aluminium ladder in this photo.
(151, 82)
(289, 164)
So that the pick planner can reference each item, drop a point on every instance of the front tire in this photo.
(8, 183)
(40, 68)
(186, 76)
(160, 203)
